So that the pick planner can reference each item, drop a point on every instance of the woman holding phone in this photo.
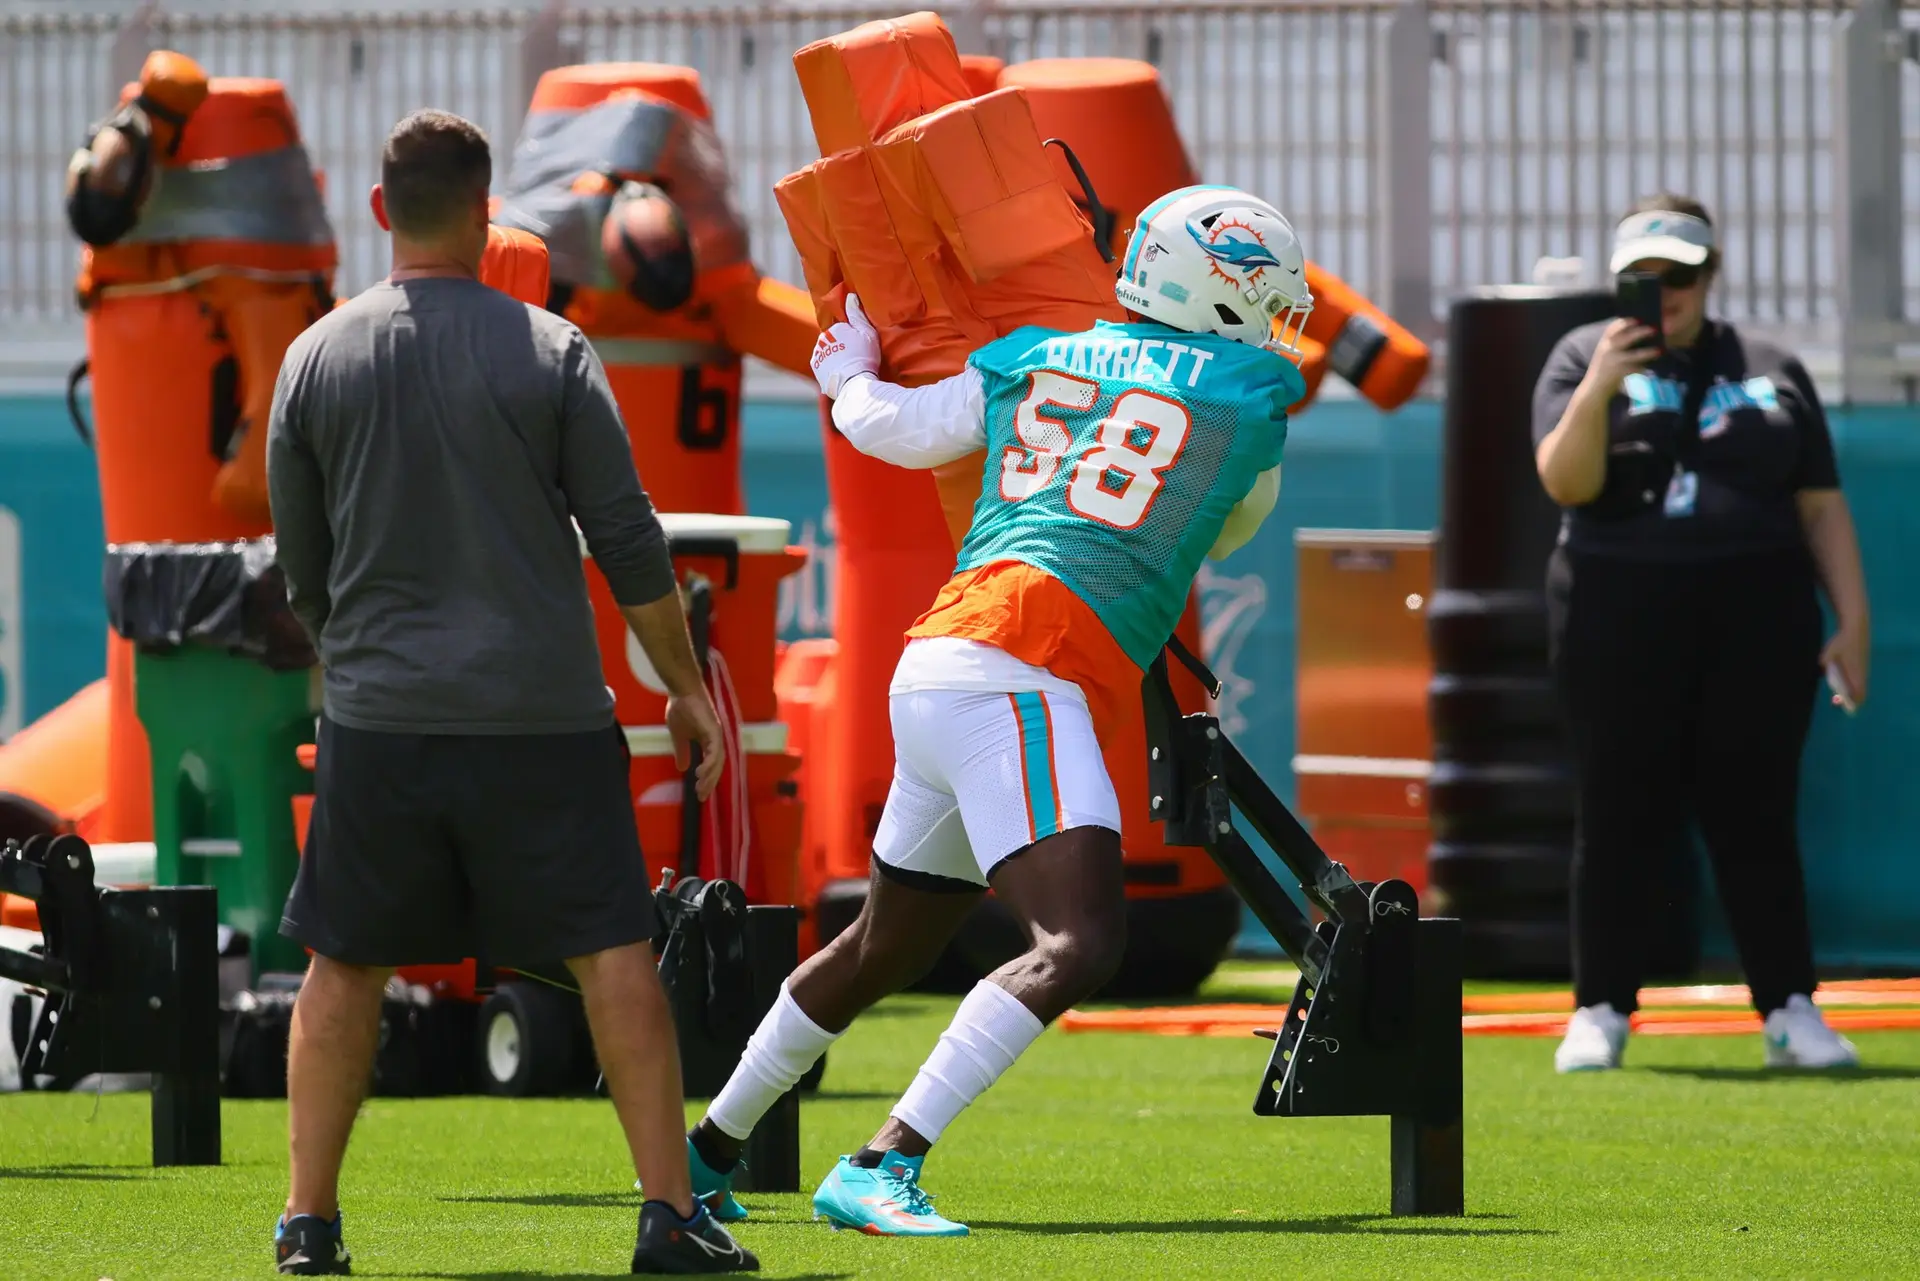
(1703, 513)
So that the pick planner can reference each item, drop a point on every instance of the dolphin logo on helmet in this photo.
(1248, 255)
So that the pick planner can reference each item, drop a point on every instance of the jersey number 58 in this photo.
(1112, 479)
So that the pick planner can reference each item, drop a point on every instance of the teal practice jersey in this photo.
(1114, 457)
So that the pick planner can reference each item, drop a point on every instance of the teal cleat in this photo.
(882, 1202)
(712, 1188)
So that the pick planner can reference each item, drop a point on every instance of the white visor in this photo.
(1662, 235)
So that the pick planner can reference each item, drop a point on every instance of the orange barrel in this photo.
(745, 622)
(188, 317)
(761, 852)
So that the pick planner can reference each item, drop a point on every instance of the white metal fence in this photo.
(1422, 146)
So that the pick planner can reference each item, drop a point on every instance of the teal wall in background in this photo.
(48, 484)
(1348, 466)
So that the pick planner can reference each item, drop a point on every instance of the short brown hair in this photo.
(1669, 202)
(433, 165)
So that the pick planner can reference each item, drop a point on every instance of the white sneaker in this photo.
(1797, 1036)
(1596, 1037)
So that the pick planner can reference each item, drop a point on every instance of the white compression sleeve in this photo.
(778, 1054)
(989, 1031)
(914, 426)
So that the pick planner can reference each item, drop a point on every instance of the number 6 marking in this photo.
(1026, 468)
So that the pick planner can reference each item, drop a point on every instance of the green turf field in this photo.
(1110, 1156)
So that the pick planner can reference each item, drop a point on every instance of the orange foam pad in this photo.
(1526, 1013)
(913, 169)
(177, 83)
(969, 177)
(982, 72)
(60, 761)
(1401, 365)
(516, 263)
(770, 319)
(261, 321)
(590, 84)
(862, 83)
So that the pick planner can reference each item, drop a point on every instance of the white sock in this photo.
(989, 1031)
(778, 1054)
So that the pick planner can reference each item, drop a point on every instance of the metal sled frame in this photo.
(132, 982)
(1374, 1025)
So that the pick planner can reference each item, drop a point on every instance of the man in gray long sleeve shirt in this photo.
(432, 445)
(429, 442)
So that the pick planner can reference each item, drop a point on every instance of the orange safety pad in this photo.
(173, 81)
(864, 82)
(770, 319)
(985, 182)
(261, 321)
(1546, 1013)
(940, 210)
(516, 263)
(982, 72)
(1401, 364)
(60, 761)
(576, 88)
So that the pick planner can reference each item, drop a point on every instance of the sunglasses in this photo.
(1679, 276)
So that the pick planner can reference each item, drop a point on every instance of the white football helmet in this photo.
(1216, 260)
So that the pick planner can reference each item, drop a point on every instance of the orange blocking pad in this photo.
(1546, 1013)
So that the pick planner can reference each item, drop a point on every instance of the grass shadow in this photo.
(76, 1173)
(1329, 1225)
(578, 1200)
(1757, 1074)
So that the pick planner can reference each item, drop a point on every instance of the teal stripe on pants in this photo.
(1043, 807)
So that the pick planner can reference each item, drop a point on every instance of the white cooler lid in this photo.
(760, 738)
(124, 864)
(757, 535)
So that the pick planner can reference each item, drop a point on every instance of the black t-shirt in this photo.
(1763, 438)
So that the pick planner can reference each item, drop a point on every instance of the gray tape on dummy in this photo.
(642, 139)
(269, 198)
(1352, 352)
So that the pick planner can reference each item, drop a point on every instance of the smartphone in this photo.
(1838, 684)
(1637, 297)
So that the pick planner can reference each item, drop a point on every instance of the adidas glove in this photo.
(846, 351)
